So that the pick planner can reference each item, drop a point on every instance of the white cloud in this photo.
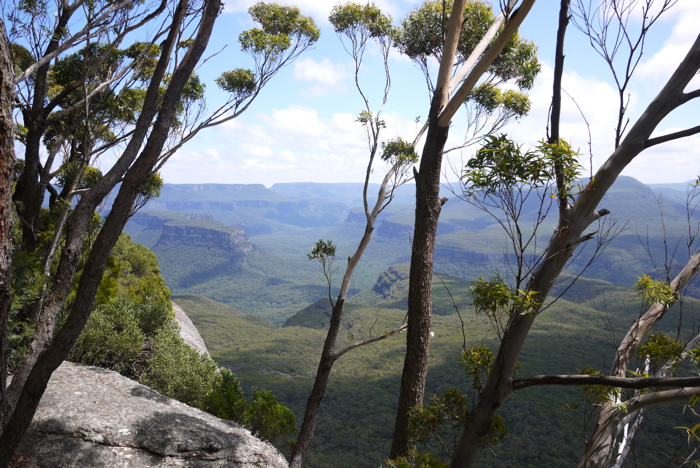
(261, 151)
(287, 156)
(295, 121)
(659, 66)
(324, 75)
(290, 144)
(587, 97)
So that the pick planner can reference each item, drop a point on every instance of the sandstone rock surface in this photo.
(91, 417)
(188, 331)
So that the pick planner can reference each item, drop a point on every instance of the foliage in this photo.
(352, 18)
(597, 393)
(21, 58)
(148, 190)
(659, 349)
(417, 460)
(654, 291)
(500, 165)
(421, 39)
(239, 82)
(438, 425)
(323, 251)
(266, 417)
(89, 176)
(477, 362)
(499, 302)
(400, 151)
(112, 338)
(281, 27)
(490, 98)
(226, 400)
(179, 371)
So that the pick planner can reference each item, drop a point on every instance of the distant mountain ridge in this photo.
(283, 222)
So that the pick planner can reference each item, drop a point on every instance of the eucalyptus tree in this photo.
(133, 101)
(472, 47)
(577, 211)
(357, 26)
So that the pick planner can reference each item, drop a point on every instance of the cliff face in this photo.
(93, 418)
(232, 240)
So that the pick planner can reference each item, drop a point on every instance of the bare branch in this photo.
(607, 381)
(368, 341)
(672, 136)
(661, 398)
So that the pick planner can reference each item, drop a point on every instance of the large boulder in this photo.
(90, 417)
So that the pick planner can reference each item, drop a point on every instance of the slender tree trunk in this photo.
(428, 206)
(313, 405)
(7, 162)
(329, 356)
(49, 351)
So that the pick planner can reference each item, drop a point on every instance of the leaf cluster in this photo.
(322, 251)
(279, 26)
(422, 31)
(89, 176)
(497, 300)
(652, 291)
(399, 151)
(239, 82)
(660, 349)
(352, 18)
(501, 166)
(490, 98)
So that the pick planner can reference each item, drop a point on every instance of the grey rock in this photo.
(93, 418)
(188, 331)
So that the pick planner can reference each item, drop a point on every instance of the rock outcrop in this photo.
(188, 331)
(91, 417)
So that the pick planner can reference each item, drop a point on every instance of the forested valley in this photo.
(534, 307)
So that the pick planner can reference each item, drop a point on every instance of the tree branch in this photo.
(373, 340)
(607, 381)
(652, 315)
(71, 41)
(661, 398)
(672, 136)
(480, 48)
(486, 60)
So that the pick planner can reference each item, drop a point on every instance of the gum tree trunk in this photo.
(7, 162)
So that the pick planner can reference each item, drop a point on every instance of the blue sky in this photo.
(302, 127)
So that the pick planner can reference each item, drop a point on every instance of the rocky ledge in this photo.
(93, 418)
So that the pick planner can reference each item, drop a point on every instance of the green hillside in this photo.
(356, 419)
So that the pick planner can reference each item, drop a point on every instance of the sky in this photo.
(303, 128)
